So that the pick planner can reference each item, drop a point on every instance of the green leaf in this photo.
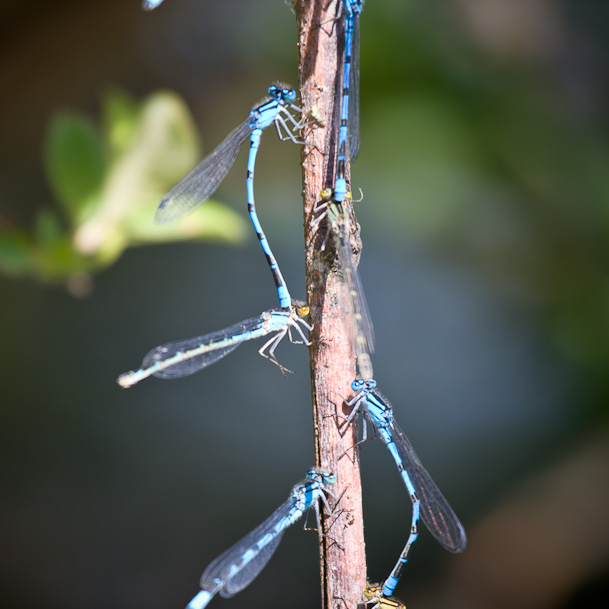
(15, 253)
(212, 221)
(55, 262)
(120, 114)
(167, 140)
(162, 148)
(74, 162)
(48, 228)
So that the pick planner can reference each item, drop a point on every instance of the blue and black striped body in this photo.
(427, 500)
(236, 568)
(182, 358)
(204, 179)
(262, 117)
(348, 134)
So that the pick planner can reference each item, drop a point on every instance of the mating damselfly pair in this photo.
(237, 567)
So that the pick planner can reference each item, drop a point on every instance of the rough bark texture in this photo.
(342, 552)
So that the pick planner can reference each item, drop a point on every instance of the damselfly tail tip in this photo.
(200, 600)
(150, 5)
(126, 380)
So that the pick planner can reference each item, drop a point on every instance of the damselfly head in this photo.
(281, 91)
(372, 591)
(330, 479)
(319, 476)
(325, 194)
(374, 594)
(363, 385)
(357, 385)
(303, 310)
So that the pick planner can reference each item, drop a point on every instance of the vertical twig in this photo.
(342, 552)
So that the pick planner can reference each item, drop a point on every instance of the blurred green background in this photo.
(485, 219)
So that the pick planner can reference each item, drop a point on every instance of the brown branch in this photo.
(342, 551)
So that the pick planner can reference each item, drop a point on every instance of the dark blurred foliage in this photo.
(484, 166)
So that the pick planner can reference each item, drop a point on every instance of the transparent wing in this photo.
(184, 357)
(353, 122)
(204, 179)
(241, 563)
(358, 297)
(187, 365)
(436, 513)
(250, 571)
(363, 327)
